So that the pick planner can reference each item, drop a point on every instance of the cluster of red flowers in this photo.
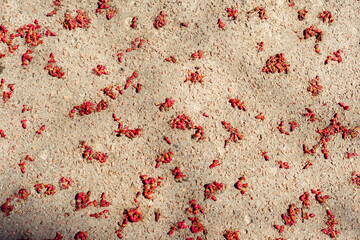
(30, 32)
(150, 184)
(211, 189)
(54, 71)
(195, 77)
(88, 107)
(276, 63)
(81, 20)
(164, 158)
(315, 87)
(234, 133)
(89, 154)
(311, 31)
(160, 20)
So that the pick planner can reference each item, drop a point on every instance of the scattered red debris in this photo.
(196, 225)
(133, 214)
(326, 15)
(337, 57)
(293, 125)
(316, 48)
(7, 95)
(172, 231)
(102, 4)
(302, 13)
(88, 107)
(305, 198)
(81, 20)
(57, 3)
(284, 164)
(164, 158)
(241, 185)
(291, 3)
(356, 178)
(195, 77)
(281, 128)
(52, 13)
(280, 228)
(260, 46)
(182, 122)
(109, 92)
(100, 70)
(318, 197)
(7, 207)
(195, 208)
(181, 225)
(50, 189)
(260, 116)
(82, 201)
(334, 128)
(167, 140)
(344, 106)
(110, 14)
(150, 184)
(130, 133)
(307, 165)
(171, 59)
(24, 108)
(40, 131)
(157, 215)
(265, 155)
(26, 58)
(65, 182)
(160, 20)
(234, 133)
(30, 32)
(166, 105)
(179, 176)
(232, 235)
(81, 235)
(235, 102)
(261, 11)
(211, 189)
(199, 133)
(197, 55)
(215, 163)
(350, 155)
(134, 22)
(315, 88)
(58, 236)
(232, 13)
(307, 216)
(89, 154)
(311, 31)
(50, 33)
(22, 167)
(290, 217)
(100, 214)
(22, 194)
(276, 63)
(54, 71)
(310, 114)
(331, 225)
(23, 123)
(221, 24)
(2, 133)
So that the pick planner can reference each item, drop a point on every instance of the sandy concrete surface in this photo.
(232, 68)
